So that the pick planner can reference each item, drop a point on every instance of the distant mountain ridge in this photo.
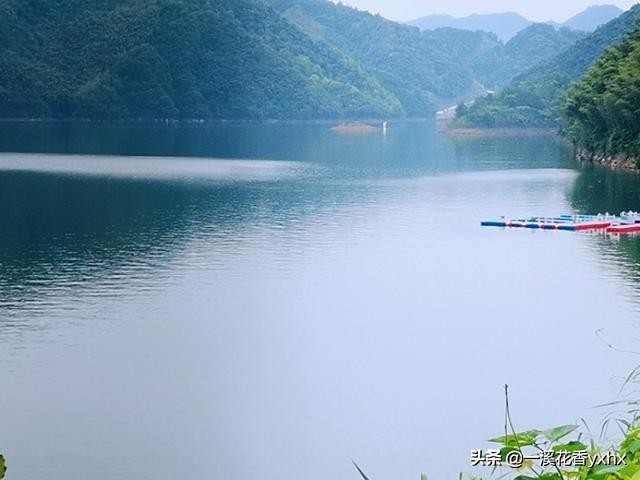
(506, 25)
(494, 63)
(538, 42)
(535, 97)
(593, 17)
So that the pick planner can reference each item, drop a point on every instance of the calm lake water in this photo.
(269, 302)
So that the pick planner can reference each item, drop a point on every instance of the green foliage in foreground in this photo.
(535, 98)
(603, 108)
(3, 467)
(618, 462)
(561, 453)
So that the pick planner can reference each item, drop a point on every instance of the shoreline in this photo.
(618, 162)
(219, 121)
(488, 132)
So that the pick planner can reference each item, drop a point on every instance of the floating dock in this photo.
(628, 228)
(626, 222)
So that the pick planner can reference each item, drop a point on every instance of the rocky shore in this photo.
(614, 162)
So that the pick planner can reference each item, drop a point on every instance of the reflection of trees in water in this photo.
(602, 190)
(599, 190)
(525, 151)
(625, 251)
(78, 231)
(300, 142)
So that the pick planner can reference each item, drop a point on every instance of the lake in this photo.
(271, 301)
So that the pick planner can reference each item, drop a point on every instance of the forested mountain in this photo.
(404, 59)
(534, 98)
(238, 59)
(535, 43)
(242, 59)
(172, 58)
(408, 63)
(504, 25)
(593, 17)
(493, 63)
(603, 109)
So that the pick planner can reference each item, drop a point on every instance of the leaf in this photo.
(572, 446)
(633, 447)
(571, 474)
(362, 474)
(3, 467)
(504, 451)
(550, 476)
(521, 439)
(630, 471)
(555, 434)
(602, 469)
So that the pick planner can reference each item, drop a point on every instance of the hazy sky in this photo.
(532, 9)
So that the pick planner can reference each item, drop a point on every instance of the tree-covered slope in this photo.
(534, 44)
(435, 66)
(234, 59)
(410, 64)
(174, 58)
(603, 109)
(241, 59)
(493, 63)
(534, 98)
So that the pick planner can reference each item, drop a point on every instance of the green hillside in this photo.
(534, 98)
(241, 60)
(603, 108)
(530, 46)
(407, 62)
(172, 58)
(235, 59)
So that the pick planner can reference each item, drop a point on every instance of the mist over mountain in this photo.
(506, 25)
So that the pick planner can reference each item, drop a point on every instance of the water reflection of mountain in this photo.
(64, 227)
(513, 152)
(407, 148)
(61, 232)
(600, 190)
